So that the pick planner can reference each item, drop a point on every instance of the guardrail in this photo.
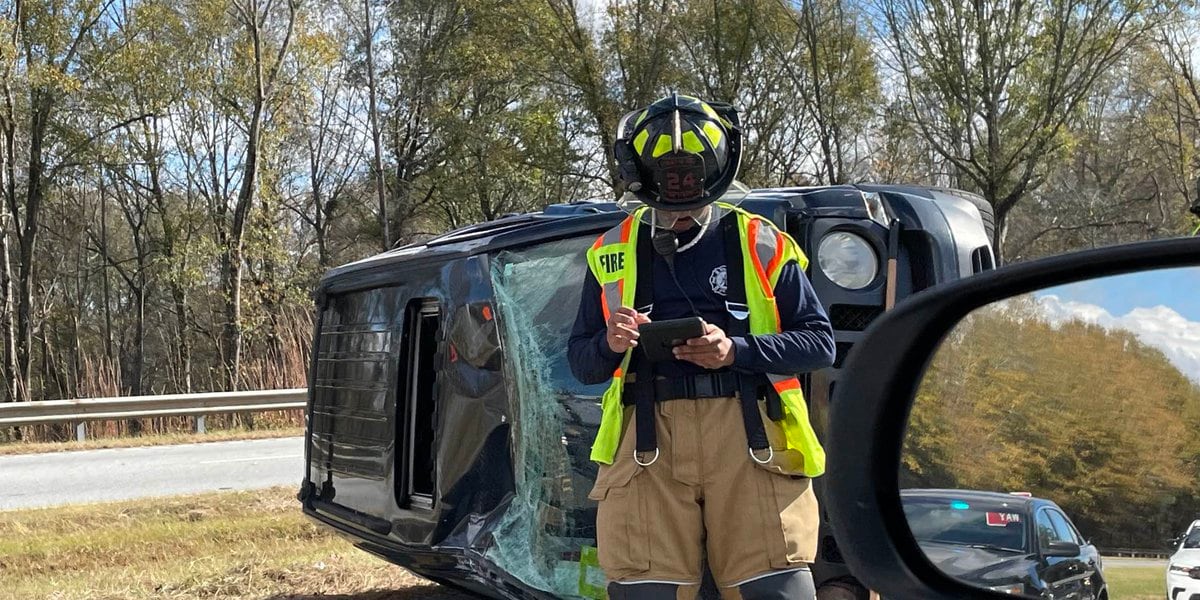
(14, 414)
(1135, 553)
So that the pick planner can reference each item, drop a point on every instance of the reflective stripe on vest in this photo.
(765, 250)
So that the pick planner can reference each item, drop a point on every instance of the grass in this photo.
(15, 448)
(1135, 583)
(212, 547)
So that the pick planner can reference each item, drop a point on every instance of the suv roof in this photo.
(968, 495)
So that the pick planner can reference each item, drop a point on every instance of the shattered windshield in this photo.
(546, 536)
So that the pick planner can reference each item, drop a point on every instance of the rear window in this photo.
(965, 522)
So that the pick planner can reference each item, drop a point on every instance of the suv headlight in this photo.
(1193, 572)
(847, 260)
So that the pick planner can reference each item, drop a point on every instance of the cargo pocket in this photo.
(621, 540)
(791, 518)
(623, 468)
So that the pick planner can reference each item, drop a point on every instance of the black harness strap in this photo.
(643, 386)
(735, 278)
(739, 325)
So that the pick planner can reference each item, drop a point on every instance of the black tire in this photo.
(842, 590)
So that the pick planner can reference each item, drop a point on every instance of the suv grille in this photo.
(853, 317)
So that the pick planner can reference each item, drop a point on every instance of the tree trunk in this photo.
(12, 387)
(179, 295)
(108, 337)
(373, 112)
(8, 390)
(28, 242)
(171, 243)
(1001, 232)
(231, 339)
(139, 341)
(233, 255)
(134, 374)
(233, 262)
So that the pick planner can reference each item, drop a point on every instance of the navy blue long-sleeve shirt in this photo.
(805, 342)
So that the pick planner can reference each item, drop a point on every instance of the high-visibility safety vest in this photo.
(765, 250)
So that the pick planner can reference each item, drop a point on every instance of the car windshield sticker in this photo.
(960, 505)
(999, 519)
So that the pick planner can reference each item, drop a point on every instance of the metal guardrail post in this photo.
(81, 431)
(200, 424)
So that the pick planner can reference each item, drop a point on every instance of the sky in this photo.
(1162, 308)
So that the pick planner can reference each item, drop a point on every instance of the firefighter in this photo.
(706, 458)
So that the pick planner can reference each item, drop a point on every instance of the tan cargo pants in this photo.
(704, 493)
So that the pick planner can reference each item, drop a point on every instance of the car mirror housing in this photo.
(873, 408)
(1062, 548)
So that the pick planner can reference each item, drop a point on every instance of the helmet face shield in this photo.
(683, 219)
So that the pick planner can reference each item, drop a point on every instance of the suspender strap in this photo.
(643, 296)
(643, 387)
(647, 439)
(735, 279)
(739, 325)
(756, 434)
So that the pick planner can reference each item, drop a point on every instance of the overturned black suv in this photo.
(445, 431)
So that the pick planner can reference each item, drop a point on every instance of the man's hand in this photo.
(713, 350)
(623, 329)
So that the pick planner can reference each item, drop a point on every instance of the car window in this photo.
(1192, 540)
(964, 523)
(1046, 531)
(1062, 525)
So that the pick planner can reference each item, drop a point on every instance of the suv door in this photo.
(1089, 557)
(1061, 575)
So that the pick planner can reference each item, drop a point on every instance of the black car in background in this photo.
(1008, 543)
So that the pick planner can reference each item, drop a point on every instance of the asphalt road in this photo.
(39, 480)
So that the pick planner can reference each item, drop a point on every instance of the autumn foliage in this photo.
(1091, 418)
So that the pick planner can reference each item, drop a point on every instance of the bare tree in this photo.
(266, 68)
(991, 85)
(373, 113)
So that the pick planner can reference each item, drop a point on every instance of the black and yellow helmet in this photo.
(680, 153)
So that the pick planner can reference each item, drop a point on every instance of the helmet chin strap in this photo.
(669, 232)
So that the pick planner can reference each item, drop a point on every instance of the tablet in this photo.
(658, 338)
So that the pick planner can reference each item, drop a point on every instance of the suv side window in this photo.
(1046, 530)
(1064, 528)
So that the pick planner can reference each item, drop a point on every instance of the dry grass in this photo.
(212, 547)
(14, 448)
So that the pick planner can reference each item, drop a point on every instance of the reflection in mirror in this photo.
(1057, 433)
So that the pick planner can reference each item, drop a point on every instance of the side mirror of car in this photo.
(1074, 378)
(1062, 548)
